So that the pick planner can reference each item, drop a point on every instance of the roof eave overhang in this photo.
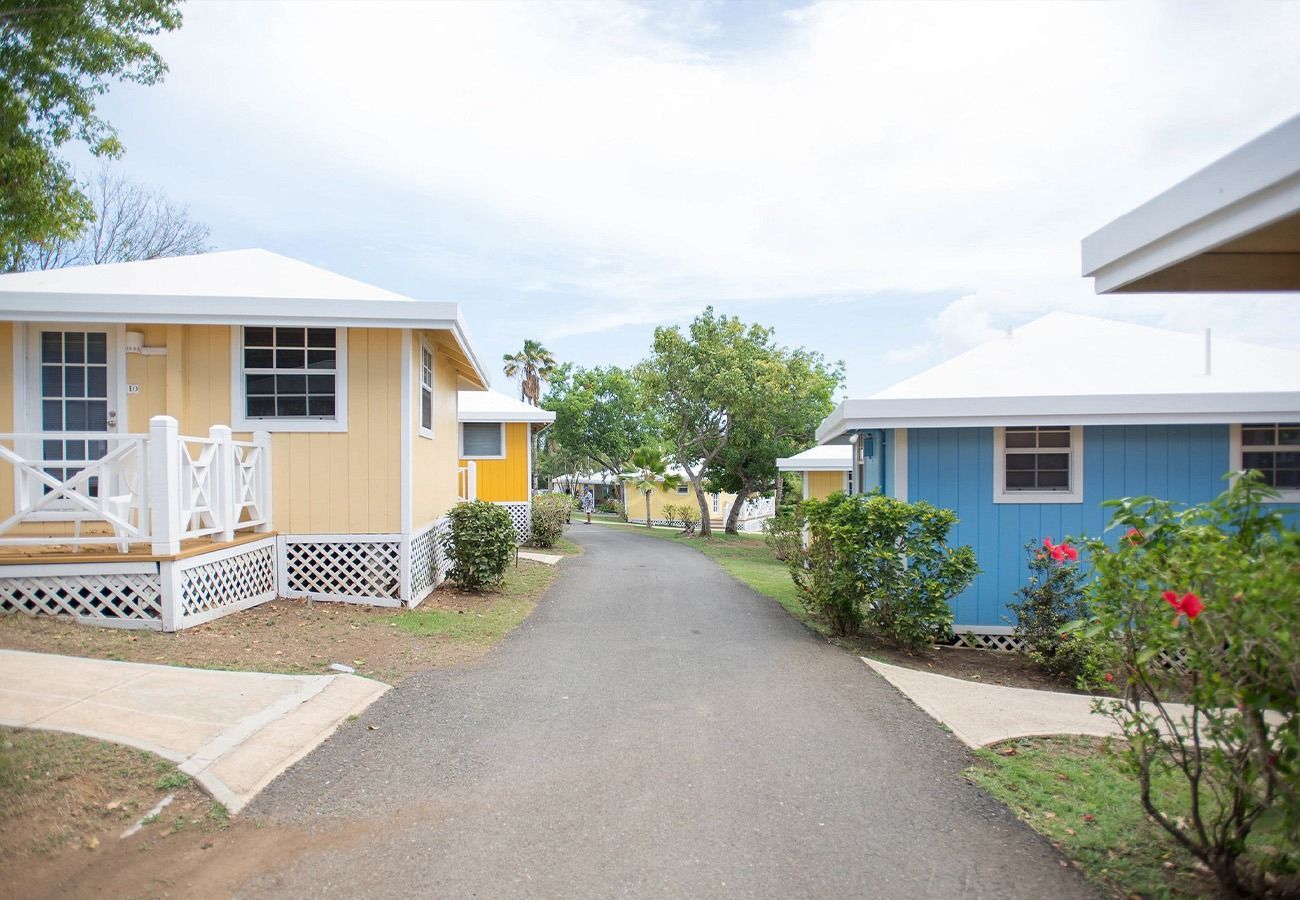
(795, 464)
(490, 416)
(1119, 409)
(1166, 245)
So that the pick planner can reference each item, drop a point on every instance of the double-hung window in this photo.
(1273, 450)
(290, 379)
(482, 440)
(1038, 464)
(426, 391)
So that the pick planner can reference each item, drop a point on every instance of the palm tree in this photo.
(532, 365)
(650, 472)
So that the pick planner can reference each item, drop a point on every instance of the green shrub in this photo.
(784, 534)
(479, 544)
(683, 516)
(1052, 599)
(610, 506)
(882, 563)
(551, 513)
(1205, 602)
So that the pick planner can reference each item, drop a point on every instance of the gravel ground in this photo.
(654, 729)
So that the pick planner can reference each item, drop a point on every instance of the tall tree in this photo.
(532, 365)
(649, 474)
(598, 415)
(56, 58)
(698, 384)
(129, 223)
(798, 387)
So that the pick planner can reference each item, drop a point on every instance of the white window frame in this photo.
(425, 347)
(239, 420)
(1002, 495)
(1235, 451)
(683, 490)
(461, 430)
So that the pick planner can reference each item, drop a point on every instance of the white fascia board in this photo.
(1125, 409)
(541, 416)
(461, 333)
(795, 464)
(1253, 186)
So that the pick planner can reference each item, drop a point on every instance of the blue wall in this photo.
(953, 467)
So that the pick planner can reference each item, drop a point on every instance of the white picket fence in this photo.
(159, 488)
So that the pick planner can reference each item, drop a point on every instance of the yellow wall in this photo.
(433, 460)
(822, 484)
(661, 498)
(505, 480)
(322, 482)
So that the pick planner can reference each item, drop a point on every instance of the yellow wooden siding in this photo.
(661, 498)
(505, 480)
(822, 484)
(433, 460)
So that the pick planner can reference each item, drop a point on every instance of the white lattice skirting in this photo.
(429, 564)
(217, 584)
(359, 568)
(126, 595)
(521, 516)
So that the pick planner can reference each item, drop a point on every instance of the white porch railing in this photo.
(758, 508)
(158, 488)
(466, 482)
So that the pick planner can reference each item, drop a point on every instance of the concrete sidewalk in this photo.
(982, 714)
(233, 732)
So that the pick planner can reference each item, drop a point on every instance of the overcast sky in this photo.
(885, 183)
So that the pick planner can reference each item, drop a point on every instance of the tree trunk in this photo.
(706, 529)
(780, 488)
(647, 509)
(733, 515)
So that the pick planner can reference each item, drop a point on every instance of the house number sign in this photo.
(133, 388)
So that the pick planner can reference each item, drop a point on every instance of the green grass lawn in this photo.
(1077, 793)
(482, 619)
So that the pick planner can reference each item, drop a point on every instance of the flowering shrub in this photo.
(479, 544)
(551, 512)
(883, 563)
(1207, 599)
(1051, 599)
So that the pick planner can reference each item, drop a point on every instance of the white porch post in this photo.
(471, 478)
(223, 481)
(263, 441)
(165, 485)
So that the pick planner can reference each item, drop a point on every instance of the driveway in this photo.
(654, 729)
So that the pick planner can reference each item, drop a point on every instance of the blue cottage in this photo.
(1025, 436)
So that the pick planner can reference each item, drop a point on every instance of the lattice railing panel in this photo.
(424, 561)
(228, 583)
(116, 595)
(521, 518)
(1007, 643)
(344, 568)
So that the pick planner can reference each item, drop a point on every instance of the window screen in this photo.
(290, 373)
(481, 439)
(426, 389)
(1038, 458)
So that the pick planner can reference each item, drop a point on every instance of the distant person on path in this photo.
(588, 503)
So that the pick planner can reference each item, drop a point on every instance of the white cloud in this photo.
(631, 156)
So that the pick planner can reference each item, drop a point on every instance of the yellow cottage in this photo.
(825, 469)
(496, 440)
(634, 502)
(189, 436)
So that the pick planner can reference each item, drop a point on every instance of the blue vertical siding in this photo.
(953, 467)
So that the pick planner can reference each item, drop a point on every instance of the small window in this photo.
(290, 375)
(1038, 464)
(482, 440)
(683, 489)
(1273, 450)
(426, 391)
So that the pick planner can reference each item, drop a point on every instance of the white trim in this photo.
(369, 538)
(1236, 468)
(1002, 495)
(239, 422)
(406, 486)
(36, 570)
(433, 394)
(900, 464)
(1210, 408)
(460, 428)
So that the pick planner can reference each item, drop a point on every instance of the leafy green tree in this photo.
(797, 388)
(56, 58)
(599, 415)
(649, 474)
(532, 365)
(699, 384)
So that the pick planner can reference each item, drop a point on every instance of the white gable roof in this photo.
(822, 458)
(237, 287)
(494, 406)
(1072, 369)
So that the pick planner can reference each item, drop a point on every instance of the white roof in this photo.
(1233, 226)
(1071, 369)
(494, 406)
(588, 478)
(822, 458)
(236, 287)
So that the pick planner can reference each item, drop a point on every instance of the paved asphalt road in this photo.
(654, 729)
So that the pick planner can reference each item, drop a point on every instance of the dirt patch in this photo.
(984, 666)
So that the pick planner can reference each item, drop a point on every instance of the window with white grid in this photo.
(426, 390)
(1273, 450)
(290, 379)
(1038, 464)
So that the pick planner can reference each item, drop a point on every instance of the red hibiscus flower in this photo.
(1188, 604)
(1133, 536)
(1060, 552)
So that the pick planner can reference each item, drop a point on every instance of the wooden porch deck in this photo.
(55, 552)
